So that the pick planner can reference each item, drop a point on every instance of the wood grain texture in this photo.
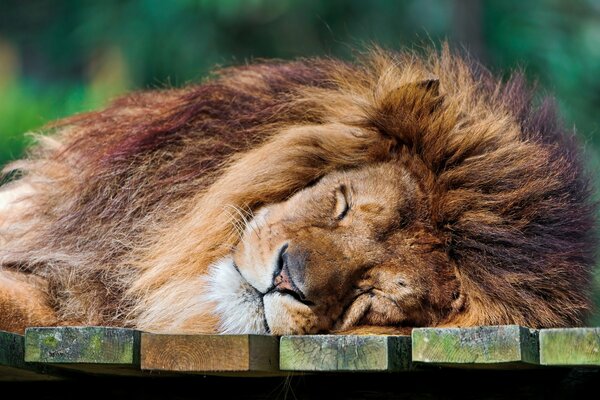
(12, 362)
(209, 353)
(344, 353)
(480, 347)
(92, 349)
(570, 347)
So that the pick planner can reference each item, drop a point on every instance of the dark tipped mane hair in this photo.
(130, 198)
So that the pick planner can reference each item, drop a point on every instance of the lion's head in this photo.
(312, 196)
(356, 248)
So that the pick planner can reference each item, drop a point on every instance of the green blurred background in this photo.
(65, 56)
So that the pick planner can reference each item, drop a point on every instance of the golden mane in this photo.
(135, 201)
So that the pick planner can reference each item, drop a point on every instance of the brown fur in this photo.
(126, 207)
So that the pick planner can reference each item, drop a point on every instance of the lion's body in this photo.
(120, 213)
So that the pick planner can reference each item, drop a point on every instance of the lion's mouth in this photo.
(284, 283)
(296, 295)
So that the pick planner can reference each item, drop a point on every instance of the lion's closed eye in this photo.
(342, 203)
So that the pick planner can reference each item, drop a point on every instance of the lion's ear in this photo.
(409, 110)
(415, 98)
(426, 92)
(431, 85)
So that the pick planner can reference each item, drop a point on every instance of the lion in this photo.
(398, 190)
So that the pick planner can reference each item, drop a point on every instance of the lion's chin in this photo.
(238, 304)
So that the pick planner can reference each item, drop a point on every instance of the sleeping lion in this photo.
(312, 196)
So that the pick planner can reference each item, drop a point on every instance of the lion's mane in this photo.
(135, 201)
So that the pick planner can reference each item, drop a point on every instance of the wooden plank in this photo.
(12, 362)
(344, 353)
(570, 347)
(210, 354)
(478, 347)
(89, 349)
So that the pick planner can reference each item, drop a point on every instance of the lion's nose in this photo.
(283, 278)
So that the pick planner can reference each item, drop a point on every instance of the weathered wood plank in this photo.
(12, 362)
(252, 354)
(479, 347)
(570, 347)
(344, 353)
(88, 349)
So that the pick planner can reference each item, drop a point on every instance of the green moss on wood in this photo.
(487, 345)
(12, 362)
(82, 345)
(344, 353)
(570, 347)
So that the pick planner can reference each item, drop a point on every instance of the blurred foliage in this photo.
(66, 56)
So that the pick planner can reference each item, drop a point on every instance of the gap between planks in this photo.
(12, 361)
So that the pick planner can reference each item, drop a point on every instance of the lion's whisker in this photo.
(236, 224)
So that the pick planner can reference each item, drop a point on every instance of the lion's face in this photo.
(352, 250)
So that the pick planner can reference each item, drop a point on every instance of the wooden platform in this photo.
(70, 352)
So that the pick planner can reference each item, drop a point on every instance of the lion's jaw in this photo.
(242, 309)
